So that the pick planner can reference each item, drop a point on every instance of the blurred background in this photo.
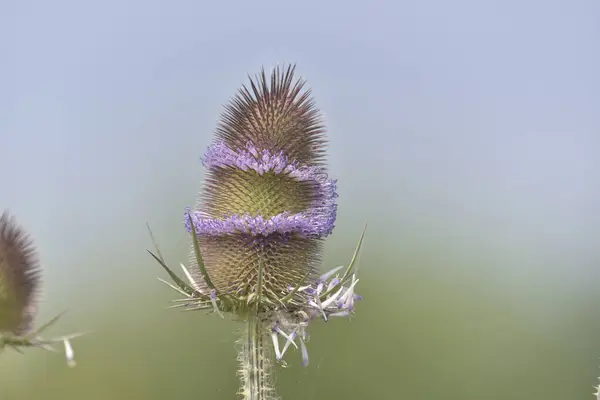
(465, 133)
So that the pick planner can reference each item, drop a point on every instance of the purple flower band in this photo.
(220, 155)
(306, 224)
(261, 161)
(317, 221)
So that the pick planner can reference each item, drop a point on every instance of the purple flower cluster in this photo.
(220, 155)
(317, 221)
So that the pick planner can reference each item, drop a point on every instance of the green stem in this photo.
(255, 361)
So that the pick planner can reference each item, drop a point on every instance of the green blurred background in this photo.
(465, 133)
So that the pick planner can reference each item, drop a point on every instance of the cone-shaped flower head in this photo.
(267, 198)
(19, 277)
(258, 229)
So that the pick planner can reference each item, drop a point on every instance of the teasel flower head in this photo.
(258, 228)
(20, 280)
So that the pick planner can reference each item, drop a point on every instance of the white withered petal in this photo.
(288, 342)
(275, 340)
(69, 353)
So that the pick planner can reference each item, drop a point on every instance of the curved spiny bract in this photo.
(19, 277)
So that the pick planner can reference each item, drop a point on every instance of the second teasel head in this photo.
(20, 281)
(19, 277)
(267, 199)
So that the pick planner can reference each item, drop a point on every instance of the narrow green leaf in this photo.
(289, 297)
(199, 260)
(160, 256)
(43, 327)
(355, 255)
(175, 288)
(178, 281)
(259, 287)
(70, 336)
(349, 269)
(273, 295)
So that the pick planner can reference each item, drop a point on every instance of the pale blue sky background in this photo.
(472, 126)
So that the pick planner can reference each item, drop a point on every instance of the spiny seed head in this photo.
(267, 199)
(275, 114)
(19, 277)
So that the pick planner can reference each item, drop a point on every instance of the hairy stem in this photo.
(255, 361)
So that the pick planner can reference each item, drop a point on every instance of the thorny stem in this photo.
(255, 362)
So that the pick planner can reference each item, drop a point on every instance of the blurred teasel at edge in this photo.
(258, 229)
(20, 280)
